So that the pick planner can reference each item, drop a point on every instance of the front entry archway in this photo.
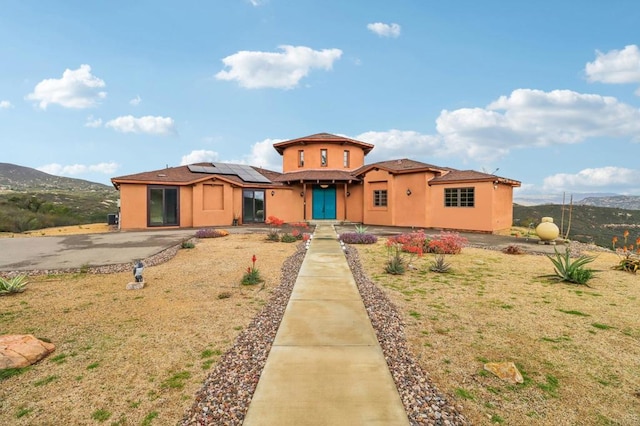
(324, 202)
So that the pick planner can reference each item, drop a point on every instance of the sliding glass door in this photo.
(252, 205)
(163, 206)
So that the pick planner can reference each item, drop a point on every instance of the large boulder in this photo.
(22, 350)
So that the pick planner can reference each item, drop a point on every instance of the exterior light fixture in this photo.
(348, 194)
(273, 193)
(408, 192)
(302, 193)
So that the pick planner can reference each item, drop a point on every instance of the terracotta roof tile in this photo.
(403, 165)
(323, 138)
(181, 175)
(471, 176)
(317, 175)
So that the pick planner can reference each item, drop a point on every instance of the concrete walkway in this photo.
(326, 366)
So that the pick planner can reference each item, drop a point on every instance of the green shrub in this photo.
(16, 284)
(288, 238)
(273, 235)
(572, 271)
(187, 245)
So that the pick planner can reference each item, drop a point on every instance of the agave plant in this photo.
(438, 264)
(16, 284)
(361, 229)
(569, 270)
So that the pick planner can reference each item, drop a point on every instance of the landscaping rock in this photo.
(505, 371)
(135, 285)
(22, 350)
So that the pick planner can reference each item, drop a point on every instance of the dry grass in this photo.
(90, 228)
(127, 357)
(578, 347)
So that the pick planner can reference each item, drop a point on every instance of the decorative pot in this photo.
(547, 230)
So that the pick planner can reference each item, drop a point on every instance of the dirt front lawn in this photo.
(578, 347)
(134, 356)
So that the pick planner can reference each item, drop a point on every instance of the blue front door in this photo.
(324, 202)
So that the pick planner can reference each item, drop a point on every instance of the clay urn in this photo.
(547, 230)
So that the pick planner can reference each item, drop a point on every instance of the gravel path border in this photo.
(227, 391)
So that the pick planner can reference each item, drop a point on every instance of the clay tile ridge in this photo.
(322, 138)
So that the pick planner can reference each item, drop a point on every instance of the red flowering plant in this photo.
(274, 224)
(447, 243)
(410, 243)
(629, 259)
(252, 276)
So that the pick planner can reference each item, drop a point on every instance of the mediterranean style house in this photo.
(324, 177)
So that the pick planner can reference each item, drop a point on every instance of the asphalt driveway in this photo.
(75, 251)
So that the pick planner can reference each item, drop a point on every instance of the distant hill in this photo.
(22, 179)
(629, 202)
(589, 224)
(31, 199)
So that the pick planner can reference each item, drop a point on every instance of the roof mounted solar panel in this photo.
(244, 172)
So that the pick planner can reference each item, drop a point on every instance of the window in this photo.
(252, 205)
(459, 197)
(323, 157)
(162, 205)
(380, 198)
(345, 158)
(301, 158)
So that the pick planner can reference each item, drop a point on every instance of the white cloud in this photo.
(5, 105)
(385, 30)
(264, 155)
(76, 89)
(593, 179)
(615, 66)
(199, 156)
(395, 144)
(257, 3)
(535, 118)
(147, 124)
(284, 70)
(78, 169)
(93, 122)
(135, 101)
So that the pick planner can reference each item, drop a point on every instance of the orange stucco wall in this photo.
(335, 156)
(133, 206)
(492, 211)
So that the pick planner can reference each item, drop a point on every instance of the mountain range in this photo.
(25, 179)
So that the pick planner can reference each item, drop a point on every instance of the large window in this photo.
(459, 197)
(323, 157)
(380, 198)
(252, 205)
(345, 158)
(162, 205)
(301, 158)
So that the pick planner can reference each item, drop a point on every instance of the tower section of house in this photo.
(320, 169)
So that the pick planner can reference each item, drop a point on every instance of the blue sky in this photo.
(547, 92)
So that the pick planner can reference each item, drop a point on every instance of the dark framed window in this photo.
(345, 158)
(300, 158)
(323, 157)
(163, 206)
(252, 205)
(459, 197)
(380, 198)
